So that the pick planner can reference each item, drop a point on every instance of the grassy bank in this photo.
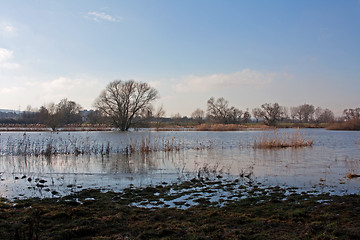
(265, 213)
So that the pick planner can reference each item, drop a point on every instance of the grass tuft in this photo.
(283, 140)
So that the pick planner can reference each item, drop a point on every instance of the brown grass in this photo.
(351, 125)
(228, 127)
(352, 175)
(277, 140)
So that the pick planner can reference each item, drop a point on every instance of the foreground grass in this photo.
(267, 213)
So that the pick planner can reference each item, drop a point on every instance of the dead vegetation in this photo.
(275, 139)
(350, 125)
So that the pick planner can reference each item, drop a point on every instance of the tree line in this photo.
(123, 104)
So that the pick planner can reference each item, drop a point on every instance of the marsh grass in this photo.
(351, 125)
(352, 175)
(49, 146)
(282, 140)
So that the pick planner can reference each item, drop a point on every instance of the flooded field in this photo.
(48, 164)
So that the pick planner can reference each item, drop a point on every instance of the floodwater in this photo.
(105, 160)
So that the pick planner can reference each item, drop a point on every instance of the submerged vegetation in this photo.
(250, 212)
(71, 145)
(282, 140)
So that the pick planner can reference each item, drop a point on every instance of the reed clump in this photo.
(283, 140)
(352, 175)
(50, 146)
(351, 125)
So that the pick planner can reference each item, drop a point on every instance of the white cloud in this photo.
(36, 93)
(155, 84)
(245, 77)
(10, 66)
(5, 56)
(11, 90)
(97, 16)
(61, 84)
(9, 28)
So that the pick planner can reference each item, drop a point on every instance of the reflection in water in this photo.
(333, 155)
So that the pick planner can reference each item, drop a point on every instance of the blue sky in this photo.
(249, 52)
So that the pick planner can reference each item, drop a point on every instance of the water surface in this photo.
(102, 161)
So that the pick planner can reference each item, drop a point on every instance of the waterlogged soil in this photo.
(195, 209)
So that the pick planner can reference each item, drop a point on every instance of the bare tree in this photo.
(122, 101)
(218, 110)
(246, 116)
(256, 112)
(351, 113)
(198, 115)
(306, 111)
(294, 113)
(68, 112)
(159, 113)
(52, 120)
(324, 115)
(272, 113)
(56, 115)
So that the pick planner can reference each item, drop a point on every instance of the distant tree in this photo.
(30, 115)
(351, 113)
(234, 115)
(160, 112)
(218, 110)
(256, 112)
(293, 113)
(302, 113)
(246, 116)
(43, 115)
(324, 115)
(198, 115)
(57, 115)
(94, 117)
(158, 115)
(306, 111)
(53, 119)
(122, 101)
(272, 113)
(68, 112)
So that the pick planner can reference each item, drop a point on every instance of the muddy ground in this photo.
(196, 209)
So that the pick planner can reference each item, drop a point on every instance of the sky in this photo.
(248, 51)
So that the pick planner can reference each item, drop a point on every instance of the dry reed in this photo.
(283, 140)
(25, 146)
(351, 125)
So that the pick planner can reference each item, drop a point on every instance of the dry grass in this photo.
(215, 127)
(283, 140)
(351, 125)
(352, 175)
(220, 127)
